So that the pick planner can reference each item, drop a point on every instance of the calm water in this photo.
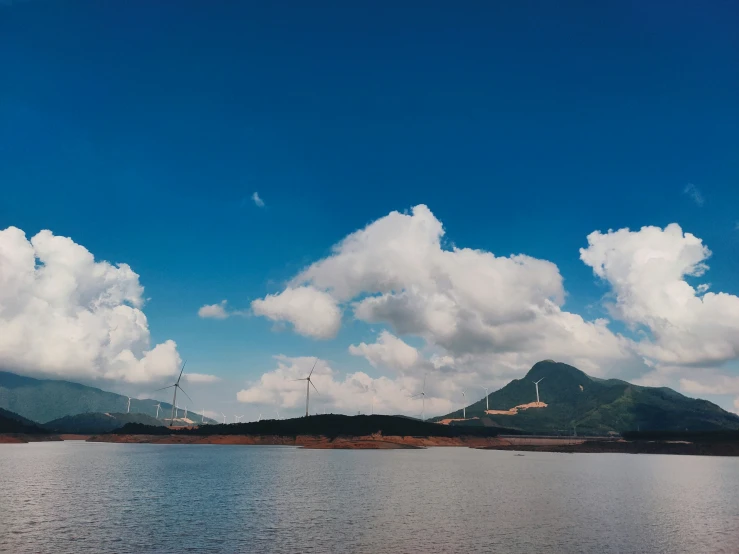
(82, 497)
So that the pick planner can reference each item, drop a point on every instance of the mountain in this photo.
(13, 423)
(93, 423)
(573, 398)
(45, 400)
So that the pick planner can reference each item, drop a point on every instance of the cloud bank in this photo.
(489, 318)
(62, 314)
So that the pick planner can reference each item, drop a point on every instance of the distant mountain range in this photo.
(575, 400)
(45, 400)
(96, 422)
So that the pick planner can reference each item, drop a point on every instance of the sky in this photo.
(387, 191)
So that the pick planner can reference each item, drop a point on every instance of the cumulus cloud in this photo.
(200, 378)
(388, 351)
(488, 318)
(214, 311)
(63, 314)
(467, 303)
(258, 201)
(694, 193)
(354, 392)
(647, 271)
(312, 312)
(219, 311)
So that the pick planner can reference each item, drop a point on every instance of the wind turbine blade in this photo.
(303, 379)
(314, 367)
(167, 387)
(183, 392)
(183, 369)
(311, 382)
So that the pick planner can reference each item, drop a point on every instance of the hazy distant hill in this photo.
(13, 423)
(98, 422)
(44, 400)
(596, 405)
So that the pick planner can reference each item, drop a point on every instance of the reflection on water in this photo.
(83, 497)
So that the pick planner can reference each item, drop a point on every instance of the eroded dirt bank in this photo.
(21, 438)
(368, 442)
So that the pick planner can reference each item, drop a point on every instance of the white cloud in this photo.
(467, 303)
(646, 270)
(258, 201)
(214, 311)
(388, 351)
(200, 378)
(63, 314)
(312, 312)
(695, 194)
(354, 392)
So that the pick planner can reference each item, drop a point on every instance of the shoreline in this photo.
(364, 442)
(679, 448)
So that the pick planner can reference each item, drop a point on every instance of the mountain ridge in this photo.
(45, 400)
(577, 402)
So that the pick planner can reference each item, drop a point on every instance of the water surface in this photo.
(131, 498)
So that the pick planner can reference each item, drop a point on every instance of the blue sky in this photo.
(141, 130)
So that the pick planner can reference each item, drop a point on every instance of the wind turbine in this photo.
(464, 406)
(224, 418)
(158, 406)
(202, 416)
(308, 384)
(185, 416)
(237, 418)
(174, 398)
(260, 418)
(536, 384)
(128, 410)
(487, 405)
(422, 394)
(278, 414)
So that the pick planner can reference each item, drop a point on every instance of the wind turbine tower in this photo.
(308, 384)
(224, 418)
(158, 406)
(128, 409)
(464, 406)
(422, 394)
(536, 384)
(202, 416)
(487, 400)
(176, 386)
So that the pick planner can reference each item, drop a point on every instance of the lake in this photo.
(94, 497)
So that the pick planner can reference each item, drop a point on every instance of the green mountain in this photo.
(13, 423)
(574, 399)
(45, 400)
(94, 423)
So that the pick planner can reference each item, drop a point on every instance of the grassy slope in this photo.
(600, 406)
(13, 423)
(98, 422)
(45, 400)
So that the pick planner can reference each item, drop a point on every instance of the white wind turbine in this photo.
(128, 409)
(158, 406)
(176, 386)
(224, 418)
(422, 394)
(308, 384)
(536, 384)
(202, 416)
(464, 406)
(278, 413)
(260, 418)
(487, 405)
(237, 418)
(185, 416)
